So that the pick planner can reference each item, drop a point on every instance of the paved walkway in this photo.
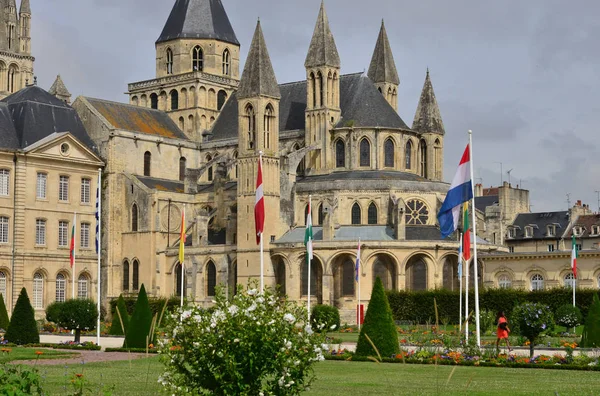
(105, 342)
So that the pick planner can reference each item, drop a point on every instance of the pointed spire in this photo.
(60, 90)
(383, 67)
(25, 7)
(322, 50)
(428, 117)
(258, 77)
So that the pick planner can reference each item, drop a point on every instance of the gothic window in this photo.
(321, 215)
(365, 153)
(388, 149)
(126, 276)
(11, 79)
(417, 212)
(384, 270)
(197, 59)
(83, 286)
(235, 156)
(504, 282)
(537, 282)
(211, 279)
(61, 287)
(313, 82)
(11, 36)
(174, 99)
(340, 154)
(178, 273)
(348, 278)
(320, 86)
(372, 213)
(169, 61)
(154, 101)
(569, 280)
(268, 121)
(147, 162)
(182, 165)
(134, 218)
(416, 271)
(135, 279)
(280, 276)
(226, 62)
(221, 99)
(423, 158)
(251, 122)
(408, 155)
(210, 170)
(306, 215)
(38, 291)
(356, 214)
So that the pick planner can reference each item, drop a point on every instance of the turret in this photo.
(25, 27)
(382, 70)
(59, 90)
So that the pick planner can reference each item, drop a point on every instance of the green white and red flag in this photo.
(574, 255)
(72, 246)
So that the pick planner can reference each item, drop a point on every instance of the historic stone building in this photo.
(16, 62)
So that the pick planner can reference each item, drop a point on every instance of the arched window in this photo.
(147, 163)
(416, 271)
(348, 277)
(320, 85)
(235, 157)
(221, 99)
(408, 155)
(174, 99)
(388, 149)
(38, 291)
(340, 154)
(154, 101)
(11, 79)
(182, 124)
(450, 273)
(537, 282)
(569, 280)
(125, 276)
(61, 287)
(178, 273)
(182, 166)
(423, 158)
(313, 82)
(316, 278)
(210, 170)
(134, 218)
(197, 59)
(280, 276)
(504, 282)
(3, 284)
(356, 214)
(211, 279)
(384, 270)
(321, 215)
(169, 61)
(305, 214)
(251, 122)
(136, 275)
(83, 286)
(269, 119)
(372, 214)
(365, 153)
(226, 62)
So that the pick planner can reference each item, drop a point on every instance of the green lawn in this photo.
(21, 353)
(349, 378)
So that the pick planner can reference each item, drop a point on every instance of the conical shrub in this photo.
(4, 322)
(23, 328)
(115, 327)
(591, 332)
(379, 326)
(139, 325)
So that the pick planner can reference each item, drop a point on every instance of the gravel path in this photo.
(86, 357)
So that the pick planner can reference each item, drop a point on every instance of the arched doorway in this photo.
(280, 275)
(344, 284)
(450, 273)
(416, 273)
(384, 268)
(316, 279)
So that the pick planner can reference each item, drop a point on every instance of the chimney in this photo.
(478, 190)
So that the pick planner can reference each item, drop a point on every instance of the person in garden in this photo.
(502, 331)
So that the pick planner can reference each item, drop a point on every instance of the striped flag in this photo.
(357, 266)
(574, 255)
(461, 190)
(72, 248)
(308, 234)
(259, 204)
(182, 238)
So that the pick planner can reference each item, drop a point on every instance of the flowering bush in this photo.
(532, 319)
(256, 344)
(568, 316)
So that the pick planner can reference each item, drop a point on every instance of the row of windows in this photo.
(135, 272)
(176, 100)
(319, 86)
(198, 60)
(40, 233)
(42, 186)
(251, 128)
(536, 282)
(83, 287)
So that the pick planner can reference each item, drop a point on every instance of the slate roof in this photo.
(322, 50)
(585, 221)
(539, 221)
(202, 19)
(137, 119)
(360, 102)
(362, 175)
(483, 202)
(428, 117)
(34, 115)
(383, 67)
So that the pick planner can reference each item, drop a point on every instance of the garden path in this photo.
(84, 357)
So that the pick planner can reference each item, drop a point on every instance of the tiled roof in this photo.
(539, 223)
(586, 222)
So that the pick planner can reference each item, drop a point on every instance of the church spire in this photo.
(60, 90)
(25, 7)
(322, 50)
(428, 118)
(383, 67)
(258, 78)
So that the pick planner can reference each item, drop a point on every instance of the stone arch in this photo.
(316, 288)
(343, 271)
(174, 102)
(340, 153)
(210, 278)
(372, 214)
(417, 271)
(202, 102)
(212, 99)
(356, 215)
(221, 99)
(449, 265)
(282, 270)
(181, 124)
(191, 127)
(480, 273)
(135, 101)
(193, 97)
(389, 153)
(162, 101)
(154, 101)
(184, 98)
(365, 152)
(384, 266)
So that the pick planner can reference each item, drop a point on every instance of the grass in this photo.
(21, 353)
(139, 377)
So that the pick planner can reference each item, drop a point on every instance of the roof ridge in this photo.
(123, 104)
(304, 81)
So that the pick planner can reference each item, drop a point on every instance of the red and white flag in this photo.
(259, 204)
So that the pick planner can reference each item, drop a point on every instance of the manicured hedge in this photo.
(418, 306)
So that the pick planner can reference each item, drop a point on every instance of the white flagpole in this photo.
(466, 271)
(574, 283)
(183, 230)
(308, 255)
(460, 261)
(262, 260)
(475, 266)
(74, 247)
(358, 275)
(99, 236)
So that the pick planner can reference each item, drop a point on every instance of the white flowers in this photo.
(333, 327)
(233, 310)
(308, 330)
(186, 314)
(288, 317)
(251, 308)
(236, 340)
(252, 292)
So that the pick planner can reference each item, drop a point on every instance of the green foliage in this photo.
(324, 318)
(77, 314)
(487, 320)
(4, 321)
(115, 328)
(530, 320)
(23, 328)
(19, 380)
(255, 344)
(52, 311)
(379, 326)
(138, 328)
(156, 304)
(591, 332)
(568, 316)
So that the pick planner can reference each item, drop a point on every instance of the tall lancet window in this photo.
(251, 122)
(197, 59)
(423, 159)
(169, 61)
(408, 155)
(269, 119)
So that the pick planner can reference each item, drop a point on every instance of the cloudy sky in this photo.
(523, 75)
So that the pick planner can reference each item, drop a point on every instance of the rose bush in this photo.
(256, 344)
(531, 320)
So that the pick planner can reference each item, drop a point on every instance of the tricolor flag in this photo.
(308, 234)
(259, 204)
(72, 249)
(574, 257)
(461, 190)
(357, 266)
(466, 248)
(182, 238)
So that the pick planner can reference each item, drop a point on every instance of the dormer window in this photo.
(595, 230)
(512, 232)
(551, 230)
(577, 231)
(528, 232)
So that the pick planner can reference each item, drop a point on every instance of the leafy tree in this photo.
(23, 327)
(379, 326)
(138, 328)
(52, 311)
(568, 316)
(591, 331)
(324, 317)
(115, 327)
(77, 314)
(4, 322)
(531, 320)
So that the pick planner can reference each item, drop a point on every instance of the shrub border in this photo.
(134, 350)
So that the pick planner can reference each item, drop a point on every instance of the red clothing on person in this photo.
(502, 333)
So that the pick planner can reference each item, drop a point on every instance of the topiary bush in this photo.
(115, 327)
(379, 326)
(591, 332)
(78, 314)
(568, 316)
(4, 321)
(325, 318)
(138, 328)
(23, 328)
(52, 311)
(531, 320)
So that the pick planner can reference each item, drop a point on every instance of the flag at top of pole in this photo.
(461, 190)
(259, 204)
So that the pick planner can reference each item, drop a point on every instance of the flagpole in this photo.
(466, 271)
(460, 260)
(74, 245)
(475, 264)
(308, 256)
(99, 245)
(182, 256)
(358, 275)
(262, 260)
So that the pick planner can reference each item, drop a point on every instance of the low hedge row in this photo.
(156, 304)
(58, 346)
(135, 350)
(418, 306)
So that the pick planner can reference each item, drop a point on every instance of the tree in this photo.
(138, 328)
(77, 314)
(52, 311)
(115, 327)
(591, 332)
(23, 327)
(568, 316)
(531, 320)
(379, 326)
(4, 322)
